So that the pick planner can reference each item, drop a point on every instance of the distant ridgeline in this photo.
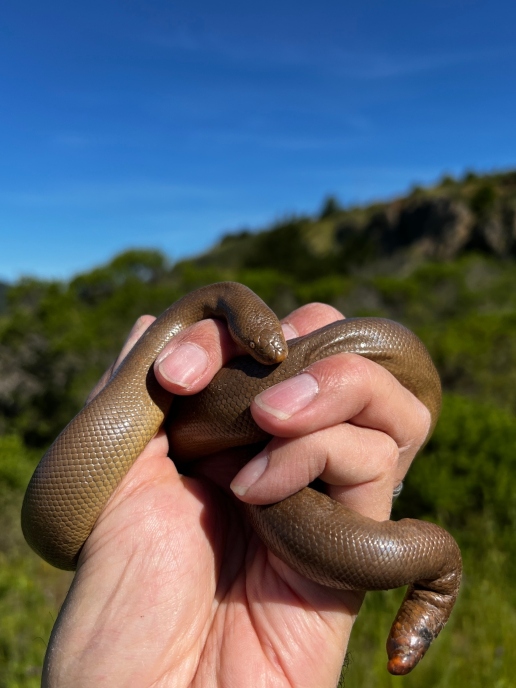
(475, 214)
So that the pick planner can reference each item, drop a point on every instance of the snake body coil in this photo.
(316, 536)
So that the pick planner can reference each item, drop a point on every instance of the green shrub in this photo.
(466, 472)
(484, 199)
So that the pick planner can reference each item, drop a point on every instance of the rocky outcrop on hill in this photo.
(475, 214)
(438, 226)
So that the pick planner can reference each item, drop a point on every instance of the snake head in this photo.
(269, 347)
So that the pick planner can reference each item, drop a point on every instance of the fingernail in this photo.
(288, 397)
(288, 331)
(184, 365)
(250, 473)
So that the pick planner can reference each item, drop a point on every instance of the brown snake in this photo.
(316, 536)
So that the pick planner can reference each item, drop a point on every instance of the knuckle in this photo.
(295, 462)
(425, 421)
(389, 453)
(347, 368)
(419, 427)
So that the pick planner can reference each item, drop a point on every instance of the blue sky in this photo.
(161, 124)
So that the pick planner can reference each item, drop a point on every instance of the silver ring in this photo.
(397, 491)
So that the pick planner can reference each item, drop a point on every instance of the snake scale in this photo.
(316, 536)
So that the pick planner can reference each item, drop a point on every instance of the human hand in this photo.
(172, 587)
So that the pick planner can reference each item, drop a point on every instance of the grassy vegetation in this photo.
(57, 338)
(31, 591)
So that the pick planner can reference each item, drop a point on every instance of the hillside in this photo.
(440, 260)
(443, 222)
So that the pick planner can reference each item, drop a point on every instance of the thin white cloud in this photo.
(330, 57)
(385, 66)
(110, 193)
(72, 140)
